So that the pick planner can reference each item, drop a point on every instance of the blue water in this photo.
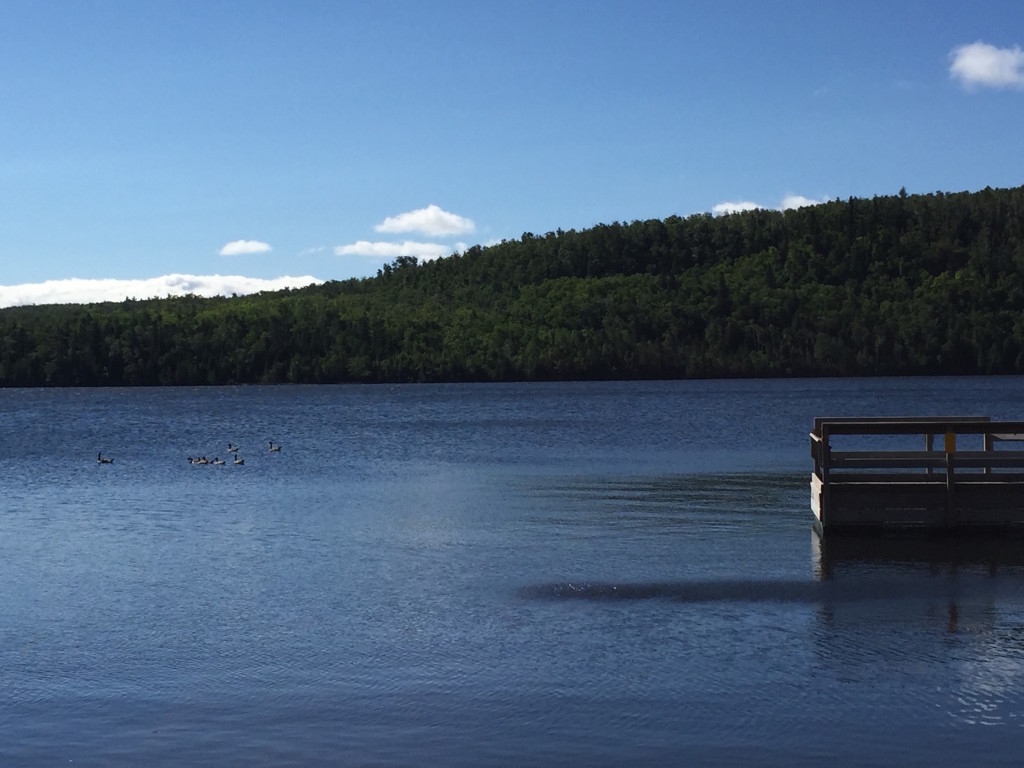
(477, 575)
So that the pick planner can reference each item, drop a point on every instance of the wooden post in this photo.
(950, 447)
(826, 459)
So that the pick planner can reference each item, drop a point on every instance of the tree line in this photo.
(892, 285)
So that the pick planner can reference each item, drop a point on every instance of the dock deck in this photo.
(930, 474)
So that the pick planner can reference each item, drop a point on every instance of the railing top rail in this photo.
(909, 420)
(977, 425)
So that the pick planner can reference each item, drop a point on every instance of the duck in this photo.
(218, 461)
(274, 448)
(101, 460)
(232, 448)
(239, 461)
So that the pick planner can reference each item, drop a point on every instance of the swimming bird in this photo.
(101, 460)
(239, 461)
(218, 461)
(232, 448)
(273, 447)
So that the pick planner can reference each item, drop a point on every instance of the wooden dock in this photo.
(941, 475)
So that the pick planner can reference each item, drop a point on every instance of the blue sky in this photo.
(217, 147)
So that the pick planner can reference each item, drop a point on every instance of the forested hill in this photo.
(902, 284)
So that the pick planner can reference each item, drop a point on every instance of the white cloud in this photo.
(432, 221)
(724, 208)
(798, 201)
(79, 291)
(385, 250)
(984, 65)
(240, 247)
(788, 202)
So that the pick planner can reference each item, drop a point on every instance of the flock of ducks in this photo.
(233, 449)
(217, 461)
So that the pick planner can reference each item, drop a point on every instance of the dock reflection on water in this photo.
(875, 578)
(833, 555)
(940, 617)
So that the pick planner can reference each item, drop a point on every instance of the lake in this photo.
(484, 575)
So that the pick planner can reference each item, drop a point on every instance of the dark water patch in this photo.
(711, 488)
(690, 504)
(781, 591)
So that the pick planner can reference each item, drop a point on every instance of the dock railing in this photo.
(944, 483)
